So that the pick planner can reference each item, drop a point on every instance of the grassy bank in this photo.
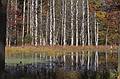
(53, 49)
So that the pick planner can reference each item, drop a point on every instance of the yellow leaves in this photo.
(101, 15)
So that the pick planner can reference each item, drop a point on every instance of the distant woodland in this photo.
(63, 22)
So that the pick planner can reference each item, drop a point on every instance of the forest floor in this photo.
(53, 49)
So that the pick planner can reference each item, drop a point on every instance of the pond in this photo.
(62, 65)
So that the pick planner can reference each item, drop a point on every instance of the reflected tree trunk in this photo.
(72, 61)
(82, 59)
(88, 62)
(64, 60)
(96, 60)
(106, 59)
(77, 60)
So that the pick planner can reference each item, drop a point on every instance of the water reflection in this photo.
(69, 65)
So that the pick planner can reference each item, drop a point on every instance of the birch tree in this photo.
(77, 38)
(40, 27)
(51, 20)
(96, 30)
(32, 21)
(36, 23)
(54, 35)
(88, 23)
(83, 23)
(64, 21)
(47, 20)
(23, 27)
(16, 8)
(72, 26)
(28, 16)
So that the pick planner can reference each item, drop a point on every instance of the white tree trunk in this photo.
(36, 23)
(96, 60)
(54, 33)
(106, 58)
(28, 16)
(32, 21)
(88, 22)
(95, 28)
(72, 26)
(96, 31)
(16, 8)
(23, 28)
(82, 59)
(51, 20)
(97, 42)
(47, 20)
(83, 23)
(88, 62)
(77, 62)
(64, 22)
(63, 16)
(40, 29)
(64, 60)
(77, 38)
(72, 60)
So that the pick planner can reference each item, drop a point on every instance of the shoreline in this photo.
(28, 49)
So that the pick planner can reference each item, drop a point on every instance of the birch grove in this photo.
(41, 24)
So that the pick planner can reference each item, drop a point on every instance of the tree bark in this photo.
(83, 23)
(96, 30)
(36, 23)
(77, 38)
(3, 4)
(64, 21)
(7, 28)
(23, 28)
(54, 33)
(51, 24)
(41, 20)
(28, 16)
(88, 22)
(32, 21)
(72, 26)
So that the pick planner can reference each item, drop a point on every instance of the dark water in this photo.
(68, 65)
